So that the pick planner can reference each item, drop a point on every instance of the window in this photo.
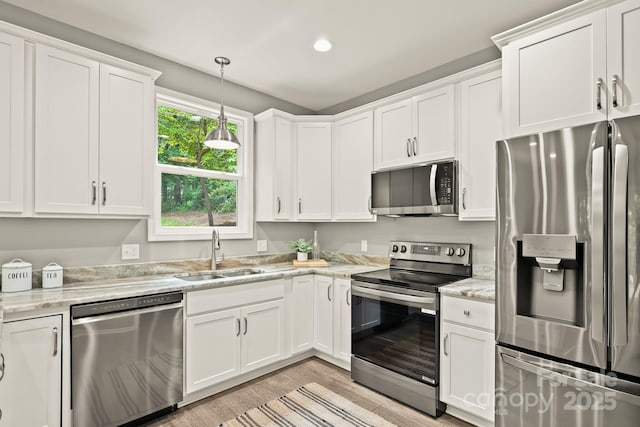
(197, 187)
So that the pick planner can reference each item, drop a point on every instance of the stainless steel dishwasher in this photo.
(127, 359)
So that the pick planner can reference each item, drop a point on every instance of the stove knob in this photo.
(460, 252)
(448, 251)
(403, 249)
(394, 248)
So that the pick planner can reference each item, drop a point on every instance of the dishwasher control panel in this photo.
(127, 304)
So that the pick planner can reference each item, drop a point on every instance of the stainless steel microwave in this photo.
(429, 189)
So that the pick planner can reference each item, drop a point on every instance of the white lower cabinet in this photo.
(231, 331)
(342, 319)
(467, 358)
(301, 314)
(30, 380)
(323, 314)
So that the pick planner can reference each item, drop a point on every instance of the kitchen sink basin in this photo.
(198, 277)
(242, 272)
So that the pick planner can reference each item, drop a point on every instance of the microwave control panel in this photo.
(445, 183)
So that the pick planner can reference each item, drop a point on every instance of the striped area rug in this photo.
(309, 406)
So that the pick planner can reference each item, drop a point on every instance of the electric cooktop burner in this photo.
(422, 266)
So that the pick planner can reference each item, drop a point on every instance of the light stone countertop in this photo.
(480, 289)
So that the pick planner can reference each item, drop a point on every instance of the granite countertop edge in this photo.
(474, 288)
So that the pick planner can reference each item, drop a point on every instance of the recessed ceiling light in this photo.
(322, 45)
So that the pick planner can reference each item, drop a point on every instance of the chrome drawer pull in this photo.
(466, 312)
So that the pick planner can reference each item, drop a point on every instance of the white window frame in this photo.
(244, 122)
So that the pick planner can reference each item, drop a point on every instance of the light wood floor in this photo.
(233, 402)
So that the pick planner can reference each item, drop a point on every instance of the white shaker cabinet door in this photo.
(126, 141)
(352, 166)
(323, 313)
(433, 136)
(393, 133)
(623, 58)
(30, 388)
(552, 77)
(262, 334)
(480, 128)
(284, 170)
(66, 132)
(212, 348)
(12, 97)
(342, 320)
(313, 142)
(302, 314)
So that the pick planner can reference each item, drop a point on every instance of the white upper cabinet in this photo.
(416, 130)
(126, 141)
(313, 142)
(581, 70)
(66, 132)
(274, 167)
(623, 58)
(352, 166)
(552, 76)
(480, 128)
(12, 96)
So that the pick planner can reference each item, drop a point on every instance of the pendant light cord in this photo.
(221, 91)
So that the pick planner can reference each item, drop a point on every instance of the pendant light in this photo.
(222, 137)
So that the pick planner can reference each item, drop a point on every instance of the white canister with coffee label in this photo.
(52, 275)
(16, 276)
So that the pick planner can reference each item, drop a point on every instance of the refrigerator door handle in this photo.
(619, 244)
(560, 377)
(597, 244)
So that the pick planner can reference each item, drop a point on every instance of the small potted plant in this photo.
(303, 247)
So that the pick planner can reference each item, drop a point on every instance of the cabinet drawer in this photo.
(474, 313)
(233, 296)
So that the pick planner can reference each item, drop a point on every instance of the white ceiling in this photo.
(269, 42)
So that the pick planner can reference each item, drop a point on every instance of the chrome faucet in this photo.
(215, 246)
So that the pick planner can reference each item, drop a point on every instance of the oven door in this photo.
(396, 331)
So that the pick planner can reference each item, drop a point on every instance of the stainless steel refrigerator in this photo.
(568, 265)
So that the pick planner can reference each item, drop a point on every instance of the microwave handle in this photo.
(432, 185)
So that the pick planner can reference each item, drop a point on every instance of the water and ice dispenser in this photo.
(550, 278)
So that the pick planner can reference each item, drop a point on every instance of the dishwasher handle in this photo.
(111, 316)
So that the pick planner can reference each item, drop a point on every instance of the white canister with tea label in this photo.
(52, 275)
(16, 276)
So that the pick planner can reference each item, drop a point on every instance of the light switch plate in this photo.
(131, 251)
(262, 245)
(363, 245)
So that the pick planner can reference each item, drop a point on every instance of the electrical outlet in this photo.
(262, 245)
(363, 245)
(131, 251)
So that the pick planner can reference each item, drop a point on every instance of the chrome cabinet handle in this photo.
(55, 342)
(246, 326)
(1, 367)
(94, 189)
(614, 90)
(238, 326)
(299, 206)
(415, 146)
(444, 346)
(464, 198)
(348, 294)
(466, 312)
(329, 292)
(599, 94)
(104, 193)
(408, 147)
(279, 205)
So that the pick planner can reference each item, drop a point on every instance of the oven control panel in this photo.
(450, 253)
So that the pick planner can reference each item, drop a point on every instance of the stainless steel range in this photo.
(395, 321)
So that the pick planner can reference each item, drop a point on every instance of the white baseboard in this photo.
(468, 417)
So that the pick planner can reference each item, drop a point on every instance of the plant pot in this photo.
(303, 256)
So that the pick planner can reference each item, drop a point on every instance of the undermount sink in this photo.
(197, 277)
(242, 272)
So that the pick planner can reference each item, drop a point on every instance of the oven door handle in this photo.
(428, 302)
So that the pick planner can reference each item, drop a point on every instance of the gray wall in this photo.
(346, 237)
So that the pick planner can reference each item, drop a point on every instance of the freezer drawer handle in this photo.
(558, 377)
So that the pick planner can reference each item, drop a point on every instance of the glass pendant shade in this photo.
(221, 137)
